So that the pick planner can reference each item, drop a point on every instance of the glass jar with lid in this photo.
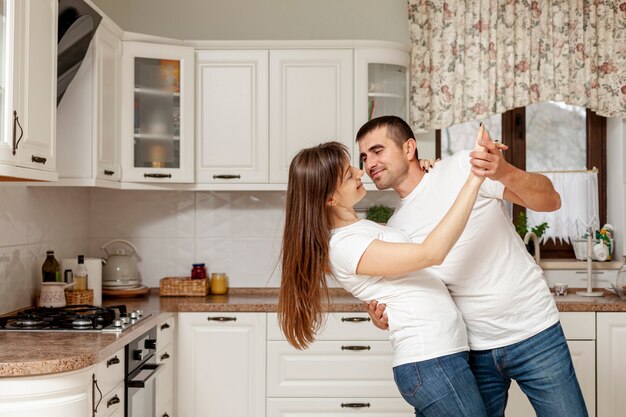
(198, 271)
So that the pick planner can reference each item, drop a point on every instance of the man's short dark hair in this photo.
(397, 129)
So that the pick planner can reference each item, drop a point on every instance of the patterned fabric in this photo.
(471, 59)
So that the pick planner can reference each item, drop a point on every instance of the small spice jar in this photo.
(219, 283)
(198, 271)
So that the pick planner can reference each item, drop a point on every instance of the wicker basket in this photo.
(79, 297)
(183, 286)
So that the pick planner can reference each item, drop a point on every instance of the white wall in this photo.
(385, 20)
(32, 221)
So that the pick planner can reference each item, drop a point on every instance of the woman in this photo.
(323, 234)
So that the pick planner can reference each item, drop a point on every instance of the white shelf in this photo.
(389, 95)
(155, 137)
(156, 92)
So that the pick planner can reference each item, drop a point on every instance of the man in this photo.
(511, 318)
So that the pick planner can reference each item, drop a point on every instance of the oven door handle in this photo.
(141, 383)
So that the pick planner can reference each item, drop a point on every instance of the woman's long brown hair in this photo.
(313, 177)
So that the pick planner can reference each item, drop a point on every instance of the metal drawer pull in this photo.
(113, 401)
(165, 356)
(165, 326)
(165, 415)
(226, 177)
(355, 348)
(221, 318)
(107, 172)
(157, 175)
(355, 405)
(38, 159)
(113, 361)
(355, 319)
(16, 123)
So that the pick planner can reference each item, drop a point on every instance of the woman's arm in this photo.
(386, 258)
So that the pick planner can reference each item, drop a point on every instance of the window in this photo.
(541, 137)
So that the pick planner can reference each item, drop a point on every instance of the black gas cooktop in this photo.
(74, 318)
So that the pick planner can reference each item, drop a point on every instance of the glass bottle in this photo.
(51, 270)
(80, 275)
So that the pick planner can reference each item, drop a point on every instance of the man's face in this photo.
(383, 160)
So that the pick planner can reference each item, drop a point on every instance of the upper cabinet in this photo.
(28, 89)
(157, 113)
(310, 103)
(381, 86)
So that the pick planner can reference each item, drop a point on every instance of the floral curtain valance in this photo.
(474, 58)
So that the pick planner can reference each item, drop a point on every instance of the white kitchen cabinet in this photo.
(164, 406)
(310, 103)
(381, 87)
(221, 364)
(66, 394)
(232, 126)
(108, 386)
(611, 364)
(346, 371)
(157, 113)
(88, 117)
(28, 90)
(580, 332)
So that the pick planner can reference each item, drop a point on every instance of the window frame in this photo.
(513, 135)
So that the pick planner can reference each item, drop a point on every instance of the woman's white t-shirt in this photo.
(424, 322)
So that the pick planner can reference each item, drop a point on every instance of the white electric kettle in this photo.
(120, 268)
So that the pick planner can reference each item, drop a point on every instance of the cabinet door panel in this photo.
(221, 364)
(332, 407)
(232, 117)
(310, 103)
(337, 326)
(611, 364)
(331, 368)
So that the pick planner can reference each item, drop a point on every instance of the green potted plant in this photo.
(379, 213)
(521, 227)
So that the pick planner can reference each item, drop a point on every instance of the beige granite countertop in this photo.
(37, 353)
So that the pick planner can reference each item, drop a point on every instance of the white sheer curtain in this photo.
(579, 200)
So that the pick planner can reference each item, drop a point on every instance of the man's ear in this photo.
(409, 148)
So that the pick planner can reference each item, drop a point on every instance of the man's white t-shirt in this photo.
(491, 276)
(424, 322)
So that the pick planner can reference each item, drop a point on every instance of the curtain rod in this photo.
(593, 170)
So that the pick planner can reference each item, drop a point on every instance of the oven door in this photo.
(141, 390)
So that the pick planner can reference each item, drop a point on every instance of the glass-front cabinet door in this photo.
(7, 8)
(157, 117)
(381, 87)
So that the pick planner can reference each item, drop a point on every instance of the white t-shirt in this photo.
(491, 276)
(424, 323)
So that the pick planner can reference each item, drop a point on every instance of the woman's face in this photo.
(350, 189)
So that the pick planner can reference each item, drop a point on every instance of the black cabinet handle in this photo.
(165, 356)
(355, 405)
(107, 172)
(38, 159)
(221, 318)
(113, 401)
(355, 348)
(226, 177)
(94, 387)
(165, 415)
(157, 175)
(16, 123)
(165, 326)
(113, 361)
(355, 319)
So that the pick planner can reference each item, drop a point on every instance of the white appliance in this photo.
(94, 275)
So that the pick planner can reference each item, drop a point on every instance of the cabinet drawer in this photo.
(332, 407)
(330, 369)
(578, 325)
(110, 371)
(165, 332)
(165, 380)
(338, 326)
(112, 403)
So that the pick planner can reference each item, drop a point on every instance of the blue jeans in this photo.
(440, 387)
(543, 369)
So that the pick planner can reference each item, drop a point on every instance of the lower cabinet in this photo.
(580, 332)
(611, 364)
(164, 406)
(221, 364)
(347, 371)
(108, 387)
(66, 394)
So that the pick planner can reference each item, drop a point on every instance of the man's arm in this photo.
(531, 190)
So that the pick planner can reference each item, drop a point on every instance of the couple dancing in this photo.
(466, 306)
